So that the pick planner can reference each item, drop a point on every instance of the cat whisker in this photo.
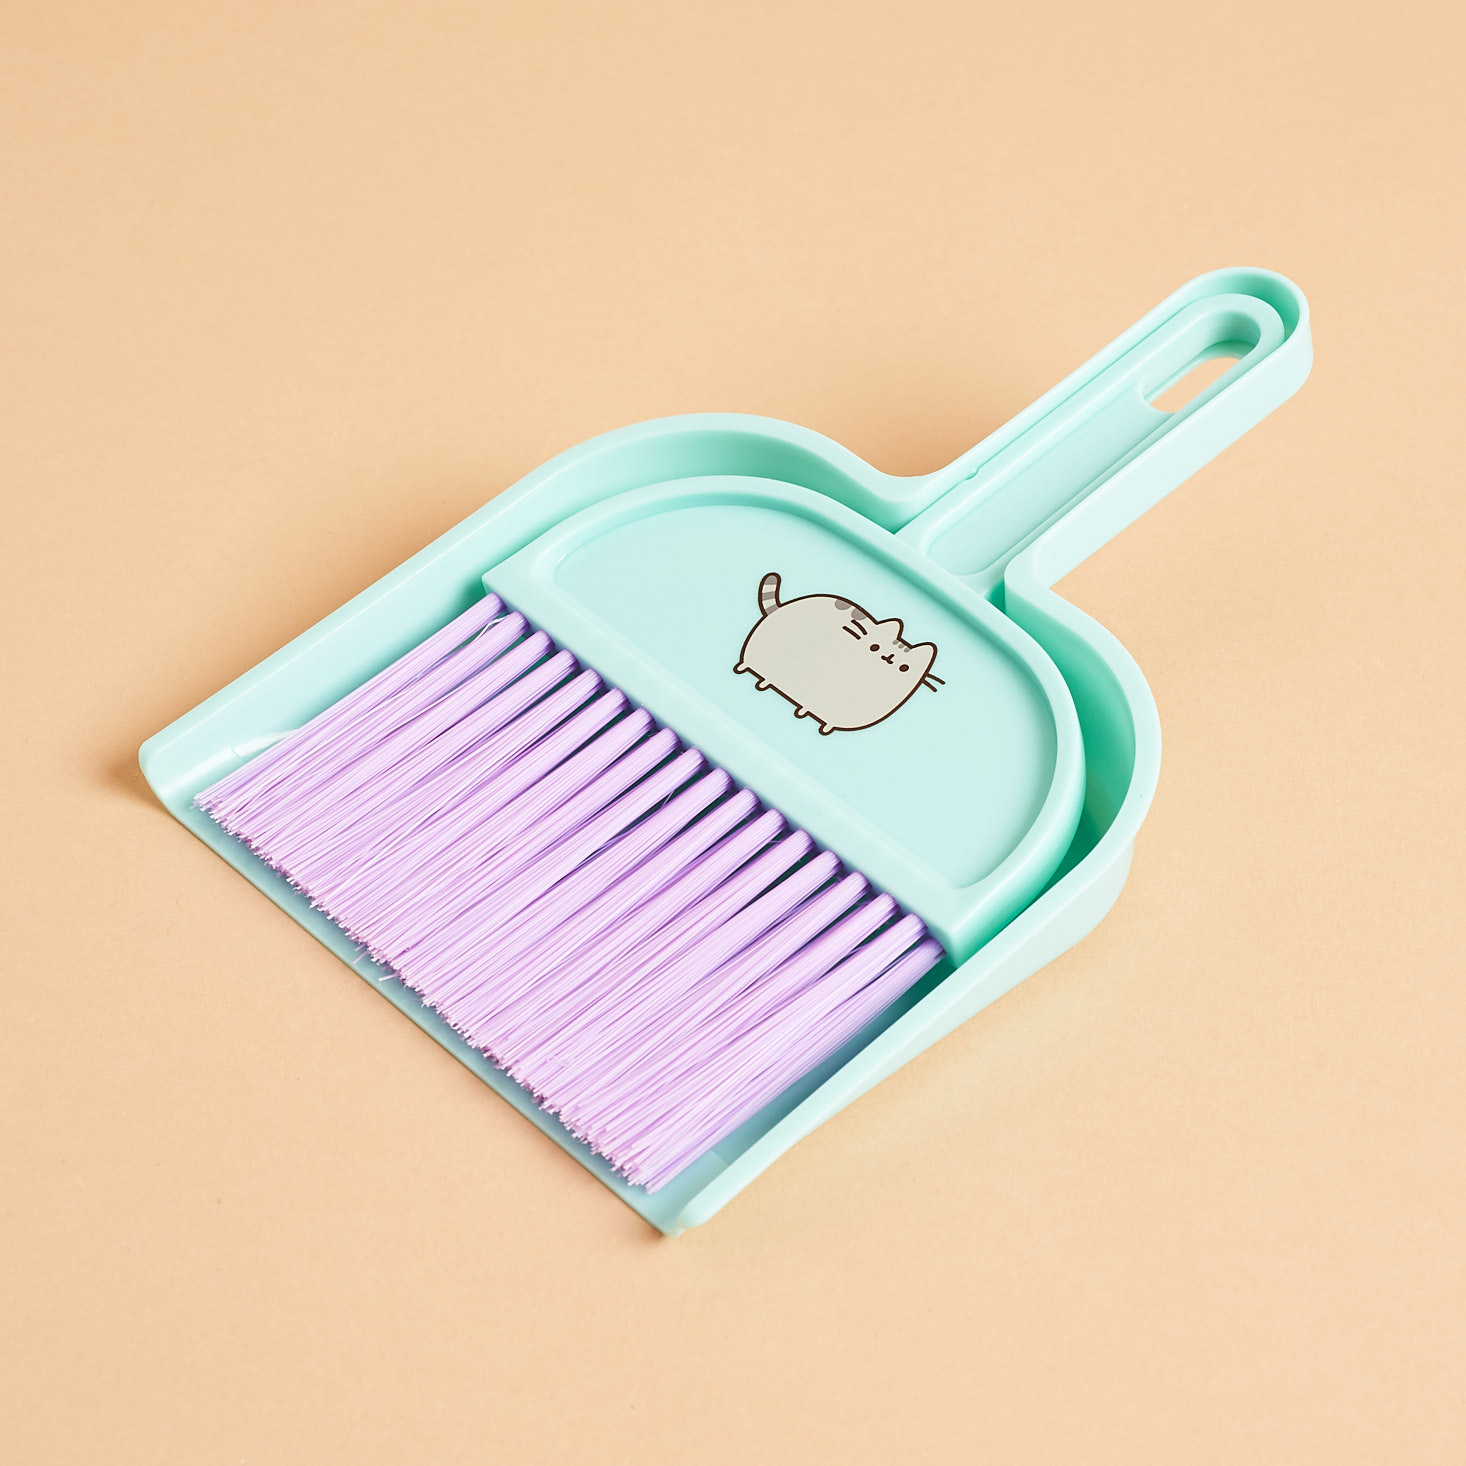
(851, 631)
(932, 681)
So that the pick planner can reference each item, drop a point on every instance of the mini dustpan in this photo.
(880, 658)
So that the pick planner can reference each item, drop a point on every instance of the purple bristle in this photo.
(622, 928)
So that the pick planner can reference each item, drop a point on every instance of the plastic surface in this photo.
(960, 801)
(990, 533)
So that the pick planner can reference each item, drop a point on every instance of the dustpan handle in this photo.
(1094, 454)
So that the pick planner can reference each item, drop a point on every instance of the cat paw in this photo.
(827, 728)
(763, 682)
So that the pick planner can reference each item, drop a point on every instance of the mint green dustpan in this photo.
(880, 658)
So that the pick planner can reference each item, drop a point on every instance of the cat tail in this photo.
(768, 593)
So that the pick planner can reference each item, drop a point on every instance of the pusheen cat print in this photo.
(833, 660)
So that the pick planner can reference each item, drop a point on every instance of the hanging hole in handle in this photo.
(1172, 396)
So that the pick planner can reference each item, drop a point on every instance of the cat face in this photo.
(833, 660)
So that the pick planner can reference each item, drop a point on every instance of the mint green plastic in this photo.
(961, 803)
(983, 541)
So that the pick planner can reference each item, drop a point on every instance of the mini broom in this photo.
(614, 921)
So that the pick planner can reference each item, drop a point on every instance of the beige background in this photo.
(289, 289)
